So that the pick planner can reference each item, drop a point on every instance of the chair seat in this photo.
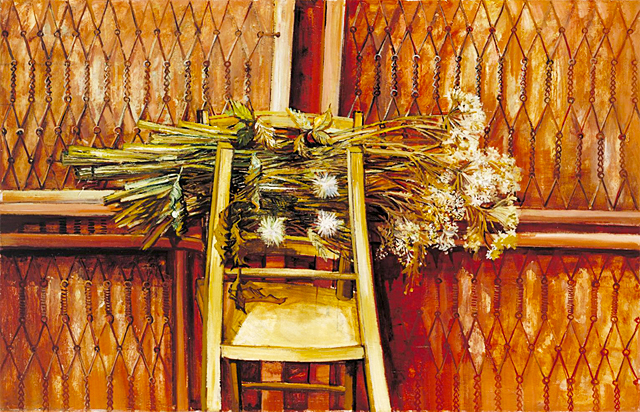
(309, 322)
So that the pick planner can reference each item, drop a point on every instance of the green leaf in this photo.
(245, 137)
(178, 207)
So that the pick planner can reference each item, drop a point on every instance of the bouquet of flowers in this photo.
(428, 184)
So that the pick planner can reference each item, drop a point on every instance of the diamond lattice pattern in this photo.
(85, 332)
(558, 79)
(83, 73)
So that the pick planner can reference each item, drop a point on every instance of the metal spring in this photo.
(20, 391)
(247, 80)
(523, 79)
(520, 297)
(455, 305)
(557, 162)
(126, 82)
(394, 75)
(594, 300)
(456, 392)
(612, 82)
(64, 293)
(131, 395)
(86, 89)
(623, 156)
(436, 78)
(545, 394)
(616, 396)
(147, 82)
(532, 152)
(166, 81)
(570, 98)
(570, 405)
(227, 80)
(378, 75)
(43, 299)
(439, 392)
(12, 93)
(458, 72)
(497, 295)
(87, 397)
(45, 391)
(187, 81)
(477, 393)
(614, 302)
(65, 391)
(22, 301)
(595, 395)
(497, 392)
(571, 292)
(88, 300)
(519, 393)
(548, 81)
(205, 81)
(474, 296)
(152, 394)
(107, 301)
(479, 76)
(600, 166)
(110, 392)
(592, 80)
(47, 81)
(107, 81)
(578, 165)
(415, 76)
(32, 81)
(510, 141)
(500, 77)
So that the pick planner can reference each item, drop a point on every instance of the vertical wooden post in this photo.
(283, 20)
(377, 390)
(212, 316)
(332, 59)
(181, 382)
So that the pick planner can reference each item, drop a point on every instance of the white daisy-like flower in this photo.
(325, 186)
(328, 223)
(271, 230)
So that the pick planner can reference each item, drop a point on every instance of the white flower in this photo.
(327, 223)
(271, 230)
(325, 186)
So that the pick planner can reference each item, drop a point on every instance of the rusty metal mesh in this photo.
(85, 331)
(536, 330)
(83, 73)
(558, 80)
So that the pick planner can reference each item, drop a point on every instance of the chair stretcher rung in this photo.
(281, 354)
(290, 386)
(292, 273)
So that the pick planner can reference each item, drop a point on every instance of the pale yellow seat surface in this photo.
(310, 318)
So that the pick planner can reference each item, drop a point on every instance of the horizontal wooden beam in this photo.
(580, 217)
(292, 273)
(56, 209)
(72, 241)
(54, 196)
(279, 354)
(290, 386)
(610, 241)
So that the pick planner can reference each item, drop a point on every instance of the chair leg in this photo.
(236, 386)
(350, 380)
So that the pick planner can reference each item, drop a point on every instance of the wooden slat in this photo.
(377, 389)
(180, 382)
(281, 72)
(54, 196)
(332, 59)
(290, 386)
(212, 323)
(291, 273)
(69, 241)
(56, 209)
(609, 241)
(281, 354)
(580, 217)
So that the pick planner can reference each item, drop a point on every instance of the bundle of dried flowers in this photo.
(428, 185)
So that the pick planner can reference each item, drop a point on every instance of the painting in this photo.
(319, 205)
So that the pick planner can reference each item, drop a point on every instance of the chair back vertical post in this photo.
(212, 317)
(377, 390)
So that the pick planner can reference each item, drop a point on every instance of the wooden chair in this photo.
(314, 324)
